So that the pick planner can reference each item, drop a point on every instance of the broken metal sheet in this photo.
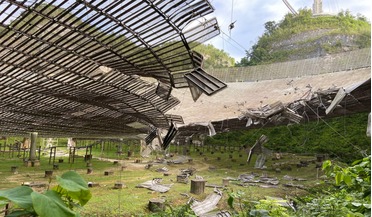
(336, 101)
(292, 116)
(260, 161)
(291, 185)
(257, 148)
(152, 135)
(172, 132)
(269, 180)
(206, 83)
(275, 113)
(249, 122)
(290, 178)
(342, 93)
(268, 186)
(147, 151)
(211, 129)
(179, 160)
(162, 170)
(163, 90)
(155, 186)
(221, 213)
(207, 205)
(195, 91)
(246, 177)
(189, 171)
(177, 119)
(253, 178)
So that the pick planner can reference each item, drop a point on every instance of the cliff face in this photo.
(315, 43)
(306, 36)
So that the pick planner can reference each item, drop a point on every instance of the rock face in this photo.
(315, 43)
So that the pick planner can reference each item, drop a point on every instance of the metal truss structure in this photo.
(75, 68)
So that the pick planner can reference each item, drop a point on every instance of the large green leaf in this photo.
(347, 179)
(72, 181)
(3, 202)
(21, 213)
(74, 186)
(20, 196)
(50, 204)
(338, 178)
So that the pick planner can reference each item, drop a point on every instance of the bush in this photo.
(350, 196)
(71, 192)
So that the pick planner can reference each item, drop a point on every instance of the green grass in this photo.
(132, 201)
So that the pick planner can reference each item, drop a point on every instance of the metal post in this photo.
(54, 155)
(50, 154)
(39, 153)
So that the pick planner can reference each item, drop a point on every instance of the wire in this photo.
(234, 41)
(223, 40)
(231, 26)
(320, 118)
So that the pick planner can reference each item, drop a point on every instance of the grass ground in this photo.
(132, 201)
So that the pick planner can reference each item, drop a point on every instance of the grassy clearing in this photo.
(132, 201)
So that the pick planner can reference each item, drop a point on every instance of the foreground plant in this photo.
(350, 195)
(71, 192)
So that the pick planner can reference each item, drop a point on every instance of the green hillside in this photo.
(214, 57)
(305, 36)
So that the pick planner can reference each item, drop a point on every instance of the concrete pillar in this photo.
(33, 146)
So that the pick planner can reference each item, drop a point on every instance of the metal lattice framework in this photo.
(74, 68)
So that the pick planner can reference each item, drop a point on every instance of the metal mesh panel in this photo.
(71, 68)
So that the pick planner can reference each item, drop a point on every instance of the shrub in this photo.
(71, 192)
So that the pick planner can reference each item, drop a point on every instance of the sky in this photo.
(250, 17)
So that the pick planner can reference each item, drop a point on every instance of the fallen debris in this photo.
(222, 213)
(291, 185)
(252, 178)
(189, 171)
(290, 178)
(261, 151)
(180, 160)
(93, 184)
(214, 186)
(268, 186)
(35, 185)
(162, 170)
(183, 178)
(155, 186)
(207, 205)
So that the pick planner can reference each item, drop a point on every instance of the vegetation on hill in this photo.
(342, 137)
(214, 57)
(304, 36)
